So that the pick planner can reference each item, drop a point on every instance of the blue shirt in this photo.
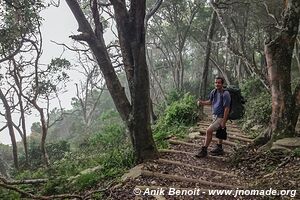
(219, 101)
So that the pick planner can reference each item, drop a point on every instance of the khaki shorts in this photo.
(216, 123)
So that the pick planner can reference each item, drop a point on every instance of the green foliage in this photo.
(174, 95)
(57, 150)
(18, 19)
(182, 111)
(259, 109)
(109, 137)
(36, 127)
(178, 116)
(296, 152)
(258, 105)
(162, 133)
(5, 152)
(87, 180)
(108, 115)
(106, 155)
(8, 194)
(252, 87)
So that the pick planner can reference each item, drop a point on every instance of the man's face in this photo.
(218, 84)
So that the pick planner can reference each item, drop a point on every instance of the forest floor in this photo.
(178, 174)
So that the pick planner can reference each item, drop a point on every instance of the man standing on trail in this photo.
(220, 101)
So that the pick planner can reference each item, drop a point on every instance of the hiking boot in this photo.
(202, 153)
(217, 150)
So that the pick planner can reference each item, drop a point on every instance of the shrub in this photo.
(182, 111)
(173, 96)
(7, 194)
(178, 116)
(109, 137)
(259, 109)
(259, 104)
(252, 88)
(56, 151)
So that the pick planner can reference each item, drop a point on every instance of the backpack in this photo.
(237, 109)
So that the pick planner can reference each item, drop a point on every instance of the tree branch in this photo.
(81, 37)
(71, 49)
(273, 16)
(19, 182)
(153, 10)
(4, 127)
(232, 47)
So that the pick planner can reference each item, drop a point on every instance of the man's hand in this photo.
(199, 102)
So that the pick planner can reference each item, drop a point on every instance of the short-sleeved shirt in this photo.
(219, 101)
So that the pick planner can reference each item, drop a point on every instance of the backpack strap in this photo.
(214, 92)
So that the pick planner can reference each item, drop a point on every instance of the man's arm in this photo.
(201, 102)
(226, 104)
(225, 117)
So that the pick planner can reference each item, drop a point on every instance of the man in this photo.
(220, 101)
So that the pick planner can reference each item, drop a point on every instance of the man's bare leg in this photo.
(208, 138)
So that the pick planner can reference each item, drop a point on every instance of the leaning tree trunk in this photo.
(279, 57)
(10, 129)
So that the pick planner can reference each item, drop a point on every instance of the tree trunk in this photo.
(181, 64)
(19, 91)
(9, 122)
(24, 138)
(203, 88)
(44, 133)
(131, 31)
(143, 141)
(144, 144)
(279, 57)
(297, 54)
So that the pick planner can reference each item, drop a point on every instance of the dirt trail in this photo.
(179, 171)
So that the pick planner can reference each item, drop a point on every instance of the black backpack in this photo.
(237, 109)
